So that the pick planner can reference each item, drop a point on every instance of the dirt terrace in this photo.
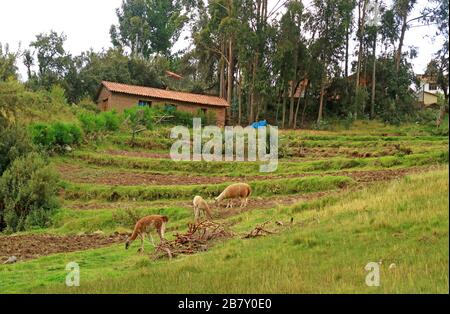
(77, 174)
(26, 247)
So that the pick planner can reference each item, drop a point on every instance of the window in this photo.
(204, 111)
(432, 87)
(144, 103)
(170, 108)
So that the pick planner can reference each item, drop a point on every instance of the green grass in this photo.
(252, 168)
(149, 193)
(405, 222)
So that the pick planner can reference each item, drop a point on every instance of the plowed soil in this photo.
(77, 174)
(26, 247)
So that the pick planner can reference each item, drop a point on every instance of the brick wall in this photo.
(120, 102)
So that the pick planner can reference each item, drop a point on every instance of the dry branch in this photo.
(198, 238)
(259, 231)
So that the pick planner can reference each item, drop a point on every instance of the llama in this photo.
(201, 205)
(237, 190)
(143, 228)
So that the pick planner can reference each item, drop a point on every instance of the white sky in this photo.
(87, 22)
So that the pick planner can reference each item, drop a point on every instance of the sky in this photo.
(87, 22)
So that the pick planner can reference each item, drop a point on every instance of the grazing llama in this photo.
(143, 227)
(237, 190)
(200, 205)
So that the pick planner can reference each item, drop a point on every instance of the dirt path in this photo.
(26, 247)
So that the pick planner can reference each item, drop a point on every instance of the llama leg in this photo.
(142, 243)
(196, 212)
(151, 239)
(162, 231)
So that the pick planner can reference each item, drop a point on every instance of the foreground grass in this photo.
(404, 222)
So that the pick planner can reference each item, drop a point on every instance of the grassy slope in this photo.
(404, 222)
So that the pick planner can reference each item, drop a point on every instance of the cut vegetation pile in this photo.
(198, 238)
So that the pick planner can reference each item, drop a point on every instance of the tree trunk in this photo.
(302, 123)
(222, 75)
(398, 57)
(347, 44)
(374, 76)
(230, 79)
(322, 92)
(283, 111)
(362, 18)
(239, 91)
(296, 113)
(291, 104)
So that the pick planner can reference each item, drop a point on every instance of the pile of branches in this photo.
(198, 238)
(259, 230)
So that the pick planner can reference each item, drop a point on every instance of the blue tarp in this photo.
(259, 124)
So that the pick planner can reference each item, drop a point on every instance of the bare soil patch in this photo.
(78, 174)
(26, 247)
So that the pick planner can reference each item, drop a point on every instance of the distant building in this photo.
(122, 96)
(427, 93)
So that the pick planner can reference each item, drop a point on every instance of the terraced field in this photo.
(105, 187)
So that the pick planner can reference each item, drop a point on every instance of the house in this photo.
(428, 84)
(427, 94)
(122, 96)
(427, 99)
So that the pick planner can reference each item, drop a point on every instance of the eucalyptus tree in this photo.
(402, 9)
(52, 59)
(149, 27)
(327, 24)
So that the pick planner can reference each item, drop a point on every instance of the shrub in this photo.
(112, 120)
(98, 123)
(28, 185)
(141, 116)
(54, 137)
(67, 134)
(139, 119)
(88, 105)
(43, 134)
(14, 143)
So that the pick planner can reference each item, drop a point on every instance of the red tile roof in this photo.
(165, 94)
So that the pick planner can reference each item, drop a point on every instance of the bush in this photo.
(43, 134)
(28, 187)
(88, 105)
(14, 143)
(56, 136)
(98, 123)
(139, 116)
